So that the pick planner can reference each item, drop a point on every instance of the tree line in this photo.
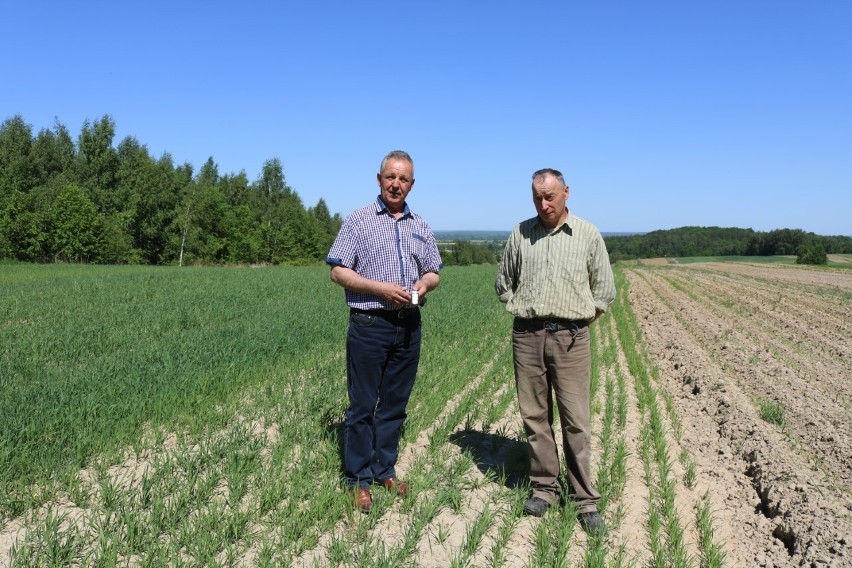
(808, 248)
(717, 241)
(467, 252)
(90, 201)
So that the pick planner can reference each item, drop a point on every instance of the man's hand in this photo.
(427, 283)
(394, 294)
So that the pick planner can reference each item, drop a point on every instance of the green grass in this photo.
(772, 412)
(90, 355)
(229, 383)
(846, 263)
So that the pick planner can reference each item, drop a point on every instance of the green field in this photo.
(98, 360)
(190, 416)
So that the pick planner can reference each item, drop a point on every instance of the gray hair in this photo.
(396, 155)
(549, 172)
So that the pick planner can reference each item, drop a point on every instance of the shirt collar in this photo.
(381, 207)
(564, 226)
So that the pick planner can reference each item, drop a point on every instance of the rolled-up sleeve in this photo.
(343, 250)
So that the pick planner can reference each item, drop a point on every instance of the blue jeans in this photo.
(382, 354)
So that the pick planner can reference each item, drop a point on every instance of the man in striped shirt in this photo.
(386, 259)
(555, 278)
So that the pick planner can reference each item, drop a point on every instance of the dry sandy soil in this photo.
(730, 337)
(725, 341)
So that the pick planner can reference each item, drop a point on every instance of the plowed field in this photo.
(730, 339)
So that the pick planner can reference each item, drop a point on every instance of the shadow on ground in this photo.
(498, 457)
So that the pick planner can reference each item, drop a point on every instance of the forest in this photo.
(808, 248)
(91, 201)
(730, 241)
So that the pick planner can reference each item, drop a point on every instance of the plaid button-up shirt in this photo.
(377, 246)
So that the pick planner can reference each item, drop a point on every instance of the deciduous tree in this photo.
(75, 227)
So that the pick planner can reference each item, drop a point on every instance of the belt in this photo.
(387, 314)
(551, 325)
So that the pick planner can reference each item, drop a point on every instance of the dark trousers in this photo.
(382, 355)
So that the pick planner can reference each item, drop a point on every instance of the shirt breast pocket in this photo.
(419, 250)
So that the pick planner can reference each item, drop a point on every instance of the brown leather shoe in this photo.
(395, 485)
(363, 499)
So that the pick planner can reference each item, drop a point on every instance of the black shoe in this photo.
(592, 523)
(536, 506)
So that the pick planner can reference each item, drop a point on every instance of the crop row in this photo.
(163, 417)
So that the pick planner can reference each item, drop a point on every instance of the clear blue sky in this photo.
(660, 114)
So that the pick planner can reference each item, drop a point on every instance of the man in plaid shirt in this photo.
(386, 259)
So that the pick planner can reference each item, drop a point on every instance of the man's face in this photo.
(395, 180)
(549, 196)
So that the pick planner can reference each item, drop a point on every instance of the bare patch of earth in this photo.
(733, 341)
(657, 261)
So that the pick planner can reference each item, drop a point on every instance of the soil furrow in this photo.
(783, 511)
(774, 368)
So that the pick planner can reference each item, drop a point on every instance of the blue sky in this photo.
(660, 114)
